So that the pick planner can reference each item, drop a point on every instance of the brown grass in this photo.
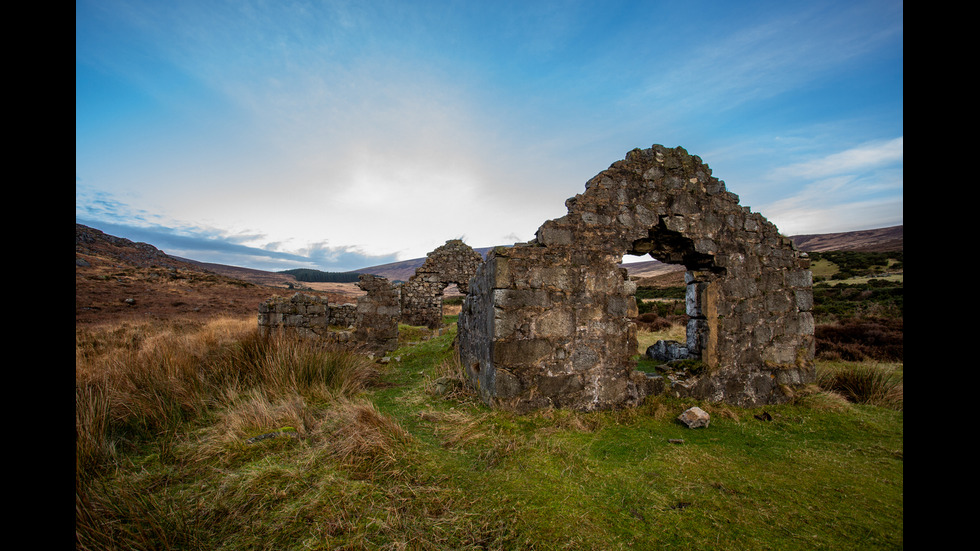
(861, 339)
(136, 381)
(363, 440)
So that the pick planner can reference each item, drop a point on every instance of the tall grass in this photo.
(864, 383)
(139, 385)
(212, 437)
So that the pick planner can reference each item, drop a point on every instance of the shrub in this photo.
(651, 321)
(872, 384)
(860, 339)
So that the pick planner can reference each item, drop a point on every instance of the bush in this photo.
(651, 321)
(854, 263)
(876, 298)
(861, 339)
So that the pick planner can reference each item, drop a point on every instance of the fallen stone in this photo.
(666, 351)
(694, 418)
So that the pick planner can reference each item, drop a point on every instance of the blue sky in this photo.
(342, 134)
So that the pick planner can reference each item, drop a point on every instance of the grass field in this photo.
(203, 436)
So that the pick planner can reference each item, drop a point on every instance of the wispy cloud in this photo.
(224, 249)
(856, 160)
(364, 130)
(858, 188)
(787, 48)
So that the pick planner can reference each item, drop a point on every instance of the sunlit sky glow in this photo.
(343, 134)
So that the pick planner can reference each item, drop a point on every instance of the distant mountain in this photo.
(880, 240)
(401, 271)
(877, 240)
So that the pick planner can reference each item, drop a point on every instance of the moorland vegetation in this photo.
(200, 434)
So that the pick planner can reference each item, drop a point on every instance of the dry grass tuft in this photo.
(134, 382)
(448, 381)
(93, 448)
(722, 411)
(864, 383)
(362, 439)
(457, 428)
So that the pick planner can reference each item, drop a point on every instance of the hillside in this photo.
(884, 239)
(116, 278)
(879, 240)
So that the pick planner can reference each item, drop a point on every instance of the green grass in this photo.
(395, 464)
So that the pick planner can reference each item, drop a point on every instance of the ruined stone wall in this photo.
(421, 296)
(343, 315)
(549, 322)
(551, 328)
(371, 324)
(376, 328)
(306, 315)
(421, 302)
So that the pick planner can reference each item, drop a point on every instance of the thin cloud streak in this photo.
(858, 159)
(319, 129)
(195, 244)
(858, 188)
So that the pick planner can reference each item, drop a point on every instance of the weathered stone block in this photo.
(521, 352)
(555, 323)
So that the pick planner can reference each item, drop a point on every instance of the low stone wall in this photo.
(305, 315)
(371, 324)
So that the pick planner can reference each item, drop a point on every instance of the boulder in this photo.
(694, 418)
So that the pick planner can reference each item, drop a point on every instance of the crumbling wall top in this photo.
(455, 262)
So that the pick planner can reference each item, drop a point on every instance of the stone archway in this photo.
(548, 323)
(421, 296)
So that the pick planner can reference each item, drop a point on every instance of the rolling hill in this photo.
(118, 278)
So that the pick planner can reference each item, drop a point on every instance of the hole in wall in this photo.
(672, 248)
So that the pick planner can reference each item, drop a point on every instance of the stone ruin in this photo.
(308, 316)
(549, 323)
(377, 315)
(371, 324)
(421, 296)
